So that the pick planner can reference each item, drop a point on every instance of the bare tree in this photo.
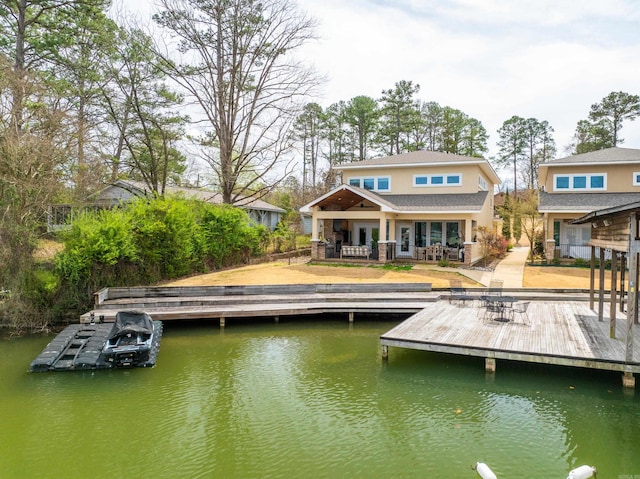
(235, 62)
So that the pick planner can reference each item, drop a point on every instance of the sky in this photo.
(492, 59)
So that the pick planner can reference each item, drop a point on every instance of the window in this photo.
(482, 184)
(636, 178)
(437, 180)
(583, 182)
(369, 183)
(382, 183)
(562, 182)
(453, 179)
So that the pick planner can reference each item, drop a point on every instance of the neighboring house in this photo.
(405, 205)
(121, 191)
(574, 186)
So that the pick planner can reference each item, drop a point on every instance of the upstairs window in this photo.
(585, 182)
(636, 178)
(380, 183)
(482, 184)
(438, 180)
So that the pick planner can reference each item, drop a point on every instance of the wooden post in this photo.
(490, 365)
(222, 321)
(351, 314)
(592, 278)
(613, 301)
(623, 268)
(628, 380)
(276, 319)
(601, 289)
(632, 304)
(385, 352)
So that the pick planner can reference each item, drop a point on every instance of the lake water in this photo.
(309, 400)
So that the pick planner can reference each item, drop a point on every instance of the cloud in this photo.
(492, 59)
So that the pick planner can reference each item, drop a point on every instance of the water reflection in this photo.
(309, 400)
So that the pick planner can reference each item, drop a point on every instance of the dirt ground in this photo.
(299, 272)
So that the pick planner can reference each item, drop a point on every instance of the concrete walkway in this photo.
(510, 269)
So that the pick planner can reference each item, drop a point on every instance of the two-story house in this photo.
(402, 206)
(576, 185)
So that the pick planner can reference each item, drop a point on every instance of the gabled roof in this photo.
(605, 157)
(613, 155)
(422, 158)
(344, 197)
(139, 188)
(583, 202)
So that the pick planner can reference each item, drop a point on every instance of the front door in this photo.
(405, 246)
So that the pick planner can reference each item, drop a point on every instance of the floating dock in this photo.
(79, 347)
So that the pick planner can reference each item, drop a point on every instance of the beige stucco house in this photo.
(576, 185)
(418, 205)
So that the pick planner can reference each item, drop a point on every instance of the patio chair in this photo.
(521, 309)
(458, 293)
(491, 311)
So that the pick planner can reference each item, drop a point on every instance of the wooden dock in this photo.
(224, 302)
(565, 333)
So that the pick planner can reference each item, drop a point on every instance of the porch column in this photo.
(314, 229)
(468, 232)
(382, 241)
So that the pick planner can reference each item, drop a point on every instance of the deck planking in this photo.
(564, 333)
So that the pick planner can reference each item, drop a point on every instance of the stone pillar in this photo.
(468, 248)
(318, 250)
(550, 250)
(382, 252)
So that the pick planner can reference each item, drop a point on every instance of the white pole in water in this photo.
(485, 471)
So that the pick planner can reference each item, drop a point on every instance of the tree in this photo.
(602, 130)
(336, 132)
(141, 109)
(81, 66)
(308, 129)
(512, 144)
(532, 222)
(613, 110)
(506, 216)
(235, 62)
(539, 147)
(399, 113)
(361, 113)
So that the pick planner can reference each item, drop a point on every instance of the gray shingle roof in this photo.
(414, 157)
(438, 202)
(608, 155)
(583, 202)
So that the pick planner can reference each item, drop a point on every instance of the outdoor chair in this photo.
(521, 309)
(458, 293)
(491, 311)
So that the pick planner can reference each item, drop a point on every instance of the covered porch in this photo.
(351, 223)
